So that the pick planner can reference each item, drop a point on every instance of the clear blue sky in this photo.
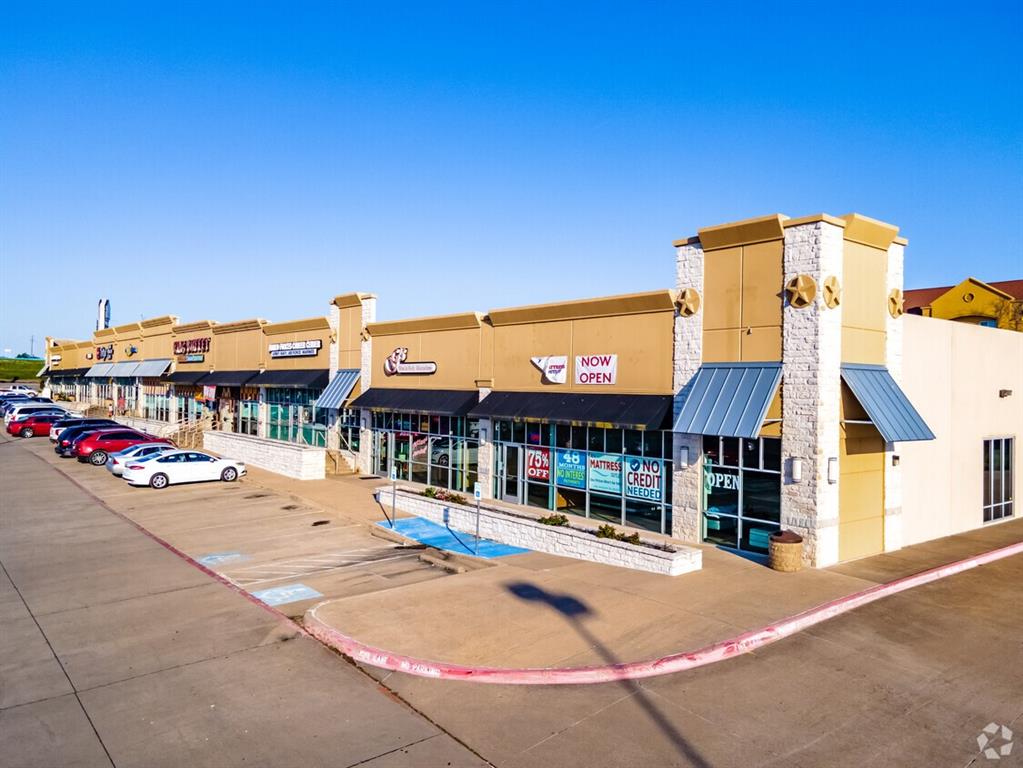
(253, 159)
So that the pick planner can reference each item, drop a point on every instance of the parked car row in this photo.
(28, 415)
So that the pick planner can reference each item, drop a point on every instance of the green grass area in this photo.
(19, 370)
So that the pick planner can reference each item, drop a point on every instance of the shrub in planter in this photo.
(606, 531)
(430, 493)
(554, 519)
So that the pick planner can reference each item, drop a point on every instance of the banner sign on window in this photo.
(571, 468)
(209, 392)
(605, 472)
(644, 478)
(538, 464)
(596, 369)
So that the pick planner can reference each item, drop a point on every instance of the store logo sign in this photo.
(192, 346)
(130, 350)
(538, 464)
(644, 478)
(596, 369)
(54, 359)
(191, 358)
(395, 364)
(105, 353)
(554, 368)
(308, 348)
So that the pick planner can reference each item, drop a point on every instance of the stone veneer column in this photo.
(263, 418)
(369, 315)
(485, 455)
(333, 363)
(687, 485)
(893, 359)
(811, 389)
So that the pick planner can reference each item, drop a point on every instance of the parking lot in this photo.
(907, 681)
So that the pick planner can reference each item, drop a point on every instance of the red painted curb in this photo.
(679, 662)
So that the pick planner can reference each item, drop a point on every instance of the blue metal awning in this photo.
(729, 399)
(152, 369)
(123, 370)
(339, 388)
(885, 403)
(99, 369)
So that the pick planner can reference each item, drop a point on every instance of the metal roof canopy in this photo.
(99, 369)
(123, 370)
(339, 389)
(152, 369)
(186, 377)
(443, 402)
(728, 399)
(885, 403)
(627, 411)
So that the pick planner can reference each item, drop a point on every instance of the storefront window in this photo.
(741, 491)
(155, 403)
(440, 451)
(583, 470)
(294, 418)
(998, 480)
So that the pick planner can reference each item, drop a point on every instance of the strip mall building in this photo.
(778, 384)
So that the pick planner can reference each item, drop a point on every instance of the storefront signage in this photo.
(130, 350)
(54, 359)
(308, 348)
(727, 482)
(192, 346)
(571, 468)
(538, 464)
(605, 470)
(209, 391)
(644, 478)
(553, 368)
(105, 353)
(596, 369)
(191, 358)
(395, 364)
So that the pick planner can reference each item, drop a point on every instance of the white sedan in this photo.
(163, 469)
(117, 461)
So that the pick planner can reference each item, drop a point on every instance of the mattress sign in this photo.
(605, 471)
(554, 368)
(307, 348)
(596, 369)
(396, 364)
(644, 478)
(538, 464)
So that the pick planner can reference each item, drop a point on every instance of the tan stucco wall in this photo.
(864, 304)
(952, 373)
(457, 354)
(310, 329)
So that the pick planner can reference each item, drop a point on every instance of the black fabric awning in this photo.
(443, 402)
(186, 377)
(628, 411)
(316, 378)
(67, 373)
(226, 378)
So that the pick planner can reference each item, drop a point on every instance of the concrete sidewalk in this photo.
(114, 651)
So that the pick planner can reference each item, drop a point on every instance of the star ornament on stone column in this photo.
(801, 291)
(896, 303)
(689, 302)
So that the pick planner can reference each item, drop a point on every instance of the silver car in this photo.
(116, 461)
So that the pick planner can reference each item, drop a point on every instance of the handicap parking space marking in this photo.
(290, 569)
(218, 558)
(289, 593)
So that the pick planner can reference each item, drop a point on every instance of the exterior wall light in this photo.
(895, 459)
(683, 456)
(797, 470)
(1005, 393)
(832, 469)
(483, 434)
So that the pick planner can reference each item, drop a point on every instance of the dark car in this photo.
(77, 421)
(66, 441)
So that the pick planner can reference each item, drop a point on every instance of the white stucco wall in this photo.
(952, 373)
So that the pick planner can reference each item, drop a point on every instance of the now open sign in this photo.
(596, 369)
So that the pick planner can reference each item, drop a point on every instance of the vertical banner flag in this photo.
(538, 464)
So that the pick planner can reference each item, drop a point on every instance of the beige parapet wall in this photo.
(953, 374)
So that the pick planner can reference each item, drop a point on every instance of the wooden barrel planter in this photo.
(786, 551)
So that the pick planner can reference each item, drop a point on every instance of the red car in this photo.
(34, 426)
(95, 447)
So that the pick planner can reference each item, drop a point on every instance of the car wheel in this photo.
(98, 458)
(229, 475)
(26, 432)
(158, 481)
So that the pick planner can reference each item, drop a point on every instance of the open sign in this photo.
(596, 369)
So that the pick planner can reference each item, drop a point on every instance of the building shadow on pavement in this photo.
(574, 612)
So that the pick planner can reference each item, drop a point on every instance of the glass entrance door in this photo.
(509, 473)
